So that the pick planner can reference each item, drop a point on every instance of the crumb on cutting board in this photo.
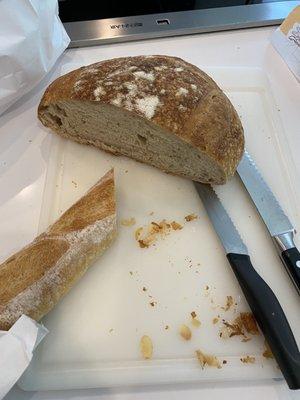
(185, 332)
(128, 221)
(215, 320)
(176, 226)
(248, 360)
(146, 347)
(267, 353)
(207, 359)
(195, 321)
(190, 217)
(244, 323)
(229, 303)
(138, 233)
(147, 236)
(249, 323)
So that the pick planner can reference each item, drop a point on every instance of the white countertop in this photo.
(24, 155)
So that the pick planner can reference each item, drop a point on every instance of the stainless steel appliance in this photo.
(94, 22)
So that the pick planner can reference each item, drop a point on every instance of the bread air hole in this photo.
(142, 139)
(55, 119)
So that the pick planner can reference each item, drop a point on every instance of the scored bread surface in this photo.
(167, 92)
(33, 280)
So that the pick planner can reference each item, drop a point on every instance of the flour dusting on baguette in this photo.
(34, 279)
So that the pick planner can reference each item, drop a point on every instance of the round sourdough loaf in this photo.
(159, 110)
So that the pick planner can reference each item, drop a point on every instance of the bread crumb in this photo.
(138, 233)
(146, 347)
(267, 352)
(206, 359)
(144, 289)
(131, 273)
(245, 322)
(111, 330)
(185, 332)
(166, 327)
(155, 230)
(190, 217)
(152, 303)
(215, 320)
(229, 303)
(128, 222)
(224, 362)
(195, 322)
(248, 360)
(176, 226)
(249, 323)
(75, 184)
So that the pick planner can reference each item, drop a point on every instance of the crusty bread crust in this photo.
(185, 101)
(33, 280)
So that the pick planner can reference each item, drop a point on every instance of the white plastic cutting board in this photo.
(95, 330)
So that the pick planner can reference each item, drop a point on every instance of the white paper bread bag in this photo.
(286, 40)
(16, 348)
(32, 37)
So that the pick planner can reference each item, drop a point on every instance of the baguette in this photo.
(33, 280)
(159, 110)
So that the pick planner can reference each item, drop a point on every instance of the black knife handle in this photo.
(291, 260)
(270, 318)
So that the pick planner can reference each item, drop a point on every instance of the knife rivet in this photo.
(298, 263)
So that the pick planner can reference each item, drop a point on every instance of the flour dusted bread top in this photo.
(34, 279)
(172, 95)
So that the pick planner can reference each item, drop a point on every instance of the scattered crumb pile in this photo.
(244, 323)
(248, 360)
(185, 332)
(146, 347)
(190, 217)
(195, 321)
(206, 359)
(149, 235)
(128, 222)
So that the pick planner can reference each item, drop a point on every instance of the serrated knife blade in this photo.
(261, 299)
(266, 203)
(224, 227)
(276, 221)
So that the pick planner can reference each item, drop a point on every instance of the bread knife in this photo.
(261, 299)
(278, 224)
